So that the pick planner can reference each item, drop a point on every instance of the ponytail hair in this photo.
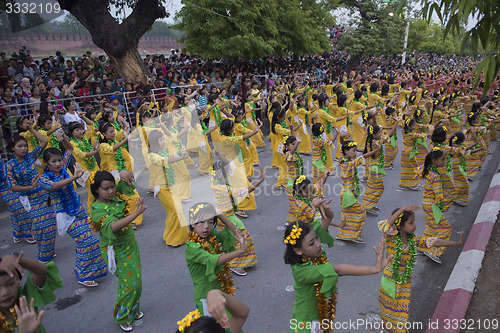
(457, 138)
(370, 131)
(429, 158)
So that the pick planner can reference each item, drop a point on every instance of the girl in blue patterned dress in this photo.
(23, 177)
(58, 184)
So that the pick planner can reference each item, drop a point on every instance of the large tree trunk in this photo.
(119, 40)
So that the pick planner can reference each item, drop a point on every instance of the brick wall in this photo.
(69, 44)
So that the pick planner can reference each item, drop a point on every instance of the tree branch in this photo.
(145, 13)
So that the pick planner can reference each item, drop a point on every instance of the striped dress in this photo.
(318, 145)
(434, 195)
(375, 171)
(446, 173)
(222, 195)
(248, 148)
(396, 310)
(352, 213)
(41, 214)
(326, 119)
(460, 180)
(391, 147)
(19, 217)
(409, 166)
(279, 152)
(422, 148)
(89, 264)
(474, 161)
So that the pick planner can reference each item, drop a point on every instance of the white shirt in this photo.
(68, 117)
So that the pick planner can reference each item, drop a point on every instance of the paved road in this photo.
(167, 288)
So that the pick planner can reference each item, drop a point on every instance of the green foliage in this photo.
(377, 32)
(253, 28)
(485, 35)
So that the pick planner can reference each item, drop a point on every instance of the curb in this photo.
(454, 302)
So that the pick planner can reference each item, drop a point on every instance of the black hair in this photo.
(43, 118)
(106, 115)
(341, 100)
(153, 141)
(195, 213)
(19, 122)
(103, 129)
(408, 124)
(204, 324)
(316, 129)
(225, 126)
(389, 110)
(291, 257)
(72, 126)
(431, 156)
(385, 89)
(368, 116)
(471, 117)
(14, 140)
(476, 106)
(406, 216)
(100, 176)
(460, 138)
(374, 87)
(89, 113)
(438, 135)
(142, 115)
(212, 98)
(276, 116)
(49, 152)
(67, 103)
(345, 146)
(417, 114)
(358, 93)
(322, 98)
(290, 139)
(374, 129)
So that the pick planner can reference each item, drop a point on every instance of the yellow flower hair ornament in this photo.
(100, 134)
(418, 113)
(352, 144)
(322, 128)
(455, 139)
(445, 129)
(407, 122)
(284, 139)
(193, 211)
(188, 320)
(212, 172)
(471, 114)
(293, 236)
(436, 102)
(397, 223)
(370, 129)
(436, 148)
(300, 179)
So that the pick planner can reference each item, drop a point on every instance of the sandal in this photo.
(31, 240)
(127, 327)
(238, 271)
(17, 240)
(241, 213)
(89, 284)
(139, 315)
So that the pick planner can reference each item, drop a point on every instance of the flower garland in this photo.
(348, 120)
(54, 142)
(188, 320)
(307, 200)
(244, 123)
(70, 200)
(283, 124)
(116, 125)
(237, 147)
(406, 276)
(326, 307)
(217, 115)
(224, 275)
(120, 160)
(96, 124)
(357, 190)
(381, 157)
(328, 124)
(168, 172)
(205, 128)
(252, 105)
(299, 162)
(34, 141)
(84, 145)
(177, 142)
(97, 226)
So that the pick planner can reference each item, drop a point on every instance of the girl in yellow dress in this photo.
(84, 154)
(115, 158)
(251, 118)
(197, 138)
(160, 167)
(248, 148)
(343, 121)
(299, 114)
(230, 148)
(329, 121)
(280, 128)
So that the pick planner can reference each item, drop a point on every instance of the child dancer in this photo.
(409, 166)
(248, 148)
(460, 155)
(391, 146)
(375, 167)
(438, 141)
(402, 243)
(434, 201)
(163, 177)
(321, 150)
(352, 214)
(208, 251)
(111, 217)
(226, 198)
(38, 289)
(295, 168)
(23, 177)
(115, 159)
(315, 279)
(84, 154)
(70, 212)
